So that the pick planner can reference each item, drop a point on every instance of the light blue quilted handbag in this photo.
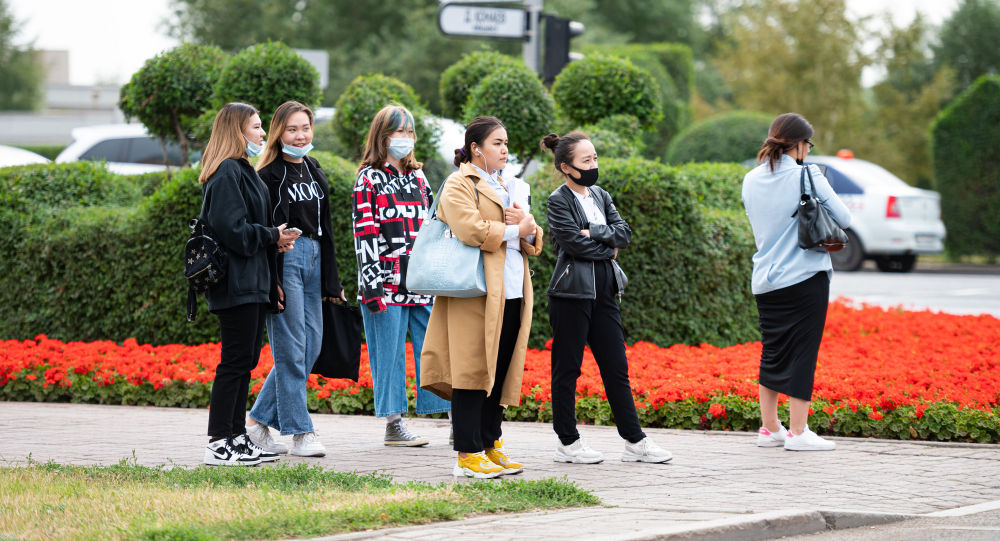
(442, 265)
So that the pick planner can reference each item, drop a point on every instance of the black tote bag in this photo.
(816, 227)
(340, 356)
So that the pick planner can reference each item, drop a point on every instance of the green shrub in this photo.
(266, 75)
(966, 170)
(689, 263)
(364, 97)
(516, 96)
(458, 81)
(599, 86)
(729, 137)
(616, 136)
(171, 90)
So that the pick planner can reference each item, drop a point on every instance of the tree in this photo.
(969, 41)
(21, 75)
(802, 56)
(171, 90)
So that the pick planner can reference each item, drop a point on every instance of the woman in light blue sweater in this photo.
(791, 285)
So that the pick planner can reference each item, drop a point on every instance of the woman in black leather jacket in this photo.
(587, 232)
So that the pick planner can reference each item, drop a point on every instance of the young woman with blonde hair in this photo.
(300, 197)
(236, 207)
(391, 198)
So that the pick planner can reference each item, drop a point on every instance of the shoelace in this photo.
(404, 432)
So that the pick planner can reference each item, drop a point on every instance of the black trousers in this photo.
(475, 416)
(597, 323)
(242, 330)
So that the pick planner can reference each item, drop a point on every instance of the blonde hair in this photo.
(386, 121)
(227, 139)
(278, 122)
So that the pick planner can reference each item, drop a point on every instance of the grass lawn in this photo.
(127, 501)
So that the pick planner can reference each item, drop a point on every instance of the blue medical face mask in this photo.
(400, 147)
(253, 149)
(296, 152)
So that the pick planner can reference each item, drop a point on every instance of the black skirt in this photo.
(791, 328)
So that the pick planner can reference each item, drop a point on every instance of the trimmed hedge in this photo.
(93, 261)
(458, 81)
(690, 259)
(600, 86)
(729, 137)
(967, 168)
(617, 135)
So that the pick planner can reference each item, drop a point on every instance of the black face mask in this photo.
(588, 177)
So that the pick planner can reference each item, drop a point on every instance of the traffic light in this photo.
(558, 32)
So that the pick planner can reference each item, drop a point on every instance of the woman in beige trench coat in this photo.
(474, 348)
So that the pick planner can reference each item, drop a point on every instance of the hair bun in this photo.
(550, 141)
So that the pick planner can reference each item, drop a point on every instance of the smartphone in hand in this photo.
(295, 230)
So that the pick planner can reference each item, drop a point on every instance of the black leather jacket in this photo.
(573, 277)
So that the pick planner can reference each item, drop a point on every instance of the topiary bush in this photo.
(967, 168)
(616, 136)
(171, 90)
(599, 86)
(364, 97)
(266, 75)
(516, 96)
(689, 263)
(458, 81)
(735, 136)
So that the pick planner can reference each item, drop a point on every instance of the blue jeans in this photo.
(296, 336)
(385, 334)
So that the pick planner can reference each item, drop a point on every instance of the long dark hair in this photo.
(476, 132)
(786, 131)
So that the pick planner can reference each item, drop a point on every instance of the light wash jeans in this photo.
(296, 336)
(385, 334)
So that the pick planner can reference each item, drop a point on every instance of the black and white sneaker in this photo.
(223, 452)
(254, 450)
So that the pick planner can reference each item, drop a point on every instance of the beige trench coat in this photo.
(463, 335)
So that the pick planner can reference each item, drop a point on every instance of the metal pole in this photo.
(530, 48)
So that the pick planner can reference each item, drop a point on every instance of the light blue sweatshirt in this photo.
(770, 199)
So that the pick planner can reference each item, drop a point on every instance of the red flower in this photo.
(717, 410)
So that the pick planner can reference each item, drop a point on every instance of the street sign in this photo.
(472, 20)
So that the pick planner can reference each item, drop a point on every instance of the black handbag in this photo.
(816, 227)
(205, 262)
(340, 356)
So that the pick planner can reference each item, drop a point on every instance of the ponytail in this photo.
(786, 131)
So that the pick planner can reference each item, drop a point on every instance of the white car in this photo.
(10, 156)
(891, 221)
(127, 149)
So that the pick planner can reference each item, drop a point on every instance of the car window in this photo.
(112, 150)
(148, 150)
(840, 183)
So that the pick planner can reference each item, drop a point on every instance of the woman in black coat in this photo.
(236, 207)
(587, 232)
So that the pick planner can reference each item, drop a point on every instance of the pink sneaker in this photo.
(766, 438)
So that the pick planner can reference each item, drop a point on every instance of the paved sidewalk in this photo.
(718, 486)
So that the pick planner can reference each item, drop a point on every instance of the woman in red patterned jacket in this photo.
(391, 198)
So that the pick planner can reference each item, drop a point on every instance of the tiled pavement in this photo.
(715, 478)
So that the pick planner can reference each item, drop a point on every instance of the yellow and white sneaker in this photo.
(476, 465)
(500, 457)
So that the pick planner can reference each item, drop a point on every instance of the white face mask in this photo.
(400, 147)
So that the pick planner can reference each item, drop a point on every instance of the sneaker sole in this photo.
(268, 458)
(631, 457)
(218, 462)
(811, 448)
(417, 443)
(771, 443)
(315, 454)
(512, 471)
(576, 460)
(459, 471)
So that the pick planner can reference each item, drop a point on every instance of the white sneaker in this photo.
(807, 441)
(577, 452)
(260, 435)
(766, 438)
(645, 451)
(307, 444)
(248, 446)
(223, 452)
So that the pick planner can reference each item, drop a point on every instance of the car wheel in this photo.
(896, 263)
(851, 257)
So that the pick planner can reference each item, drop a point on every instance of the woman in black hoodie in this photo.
(236, 207)
(300, 197)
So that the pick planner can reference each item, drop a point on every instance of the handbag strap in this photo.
(434, 205)
(802, 182)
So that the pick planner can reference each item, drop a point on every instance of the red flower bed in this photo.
(890, 373)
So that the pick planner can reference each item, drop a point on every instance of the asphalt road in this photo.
(975, 527)
(956, 290)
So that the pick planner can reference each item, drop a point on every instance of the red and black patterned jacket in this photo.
(389, 207)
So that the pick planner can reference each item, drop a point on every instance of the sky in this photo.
(108, 40)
